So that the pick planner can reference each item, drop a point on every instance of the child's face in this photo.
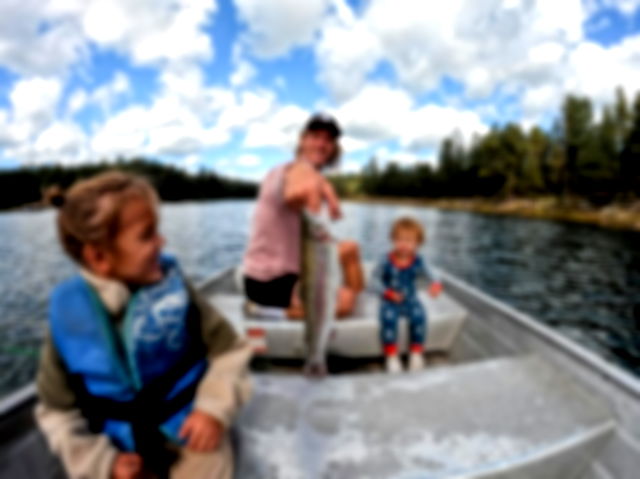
(405, 242)
(135, 255)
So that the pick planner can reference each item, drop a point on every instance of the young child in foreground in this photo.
(139, 377)
(395, 279)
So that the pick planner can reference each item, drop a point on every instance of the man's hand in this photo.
(202, 431)
(435, 289)
(333, 202)
(128, 465)
(306, 188)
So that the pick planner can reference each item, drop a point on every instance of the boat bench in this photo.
(354, 336)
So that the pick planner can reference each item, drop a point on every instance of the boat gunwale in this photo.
(596, 364)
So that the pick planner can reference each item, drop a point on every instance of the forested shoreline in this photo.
(588, 157)
(32, 186)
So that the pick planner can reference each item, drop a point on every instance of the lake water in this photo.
(583, 281)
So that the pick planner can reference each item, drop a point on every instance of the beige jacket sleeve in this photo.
(226, 385)
(85, 455)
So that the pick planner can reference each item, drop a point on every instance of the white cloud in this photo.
(39, 38)
(380, 113)
(248, 107)
(104, 96)
(350, 144)
(248, 161)
(478, 42)
(280, 129)
(77, 101)
(6, 138)
(34, 102)
(375, 113)
(427, 126)
(107, 94)
(150, 31)
(168, 127)
(347, 51)
(124, 134)
(243, 74)
(627, 7)
(187, 86)
(191, 163)
(595, 71)
(350, 166)
(274, 28)
(536, 101)
(61, 140)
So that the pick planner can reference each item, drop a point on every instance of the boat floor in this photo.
(507, 417)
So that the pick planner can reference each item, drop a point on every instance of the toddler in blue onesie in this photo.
(395, 279)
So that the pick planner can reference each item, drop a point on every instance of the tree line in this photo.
(580, 157)
(31, 185)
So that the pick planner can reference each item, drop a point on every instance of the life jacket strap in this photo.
(146, 411)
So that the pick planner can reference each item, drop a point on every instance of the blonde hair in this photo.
(90, 209)
(408, 224)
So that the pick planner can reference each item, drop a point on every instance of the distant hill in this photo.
(32, 185)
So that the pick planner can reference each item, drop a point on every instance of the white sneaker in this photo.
(416, 362)
(393, 364)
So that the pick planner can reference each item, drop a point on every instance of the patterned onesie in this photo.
(388, 276)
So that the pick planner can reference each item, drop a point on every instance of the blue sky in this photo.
(227, 85)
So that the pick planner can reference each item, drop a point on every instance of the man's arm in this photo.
(302, 187)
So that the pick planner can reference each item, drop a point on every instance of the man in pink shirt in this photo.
(272, 260)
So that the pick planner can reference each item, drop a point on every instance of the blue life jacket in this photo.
(138, 378)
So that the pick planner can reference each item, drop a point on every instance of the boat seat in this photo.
(508, 417)
(354, 336)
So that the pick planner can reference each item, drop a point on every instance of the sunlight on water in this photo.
(581, 280)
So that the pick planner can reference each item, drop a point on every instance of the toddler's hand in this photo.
(435, 289)
(394, 296)
(202, 431)
(128, 465)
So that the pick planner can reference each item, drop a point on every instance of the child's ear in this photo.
(96, 259)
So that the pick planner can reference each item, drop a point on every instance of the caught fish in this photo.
(319, 287)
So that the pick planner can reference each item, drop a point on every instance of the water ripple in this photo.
(581, 280)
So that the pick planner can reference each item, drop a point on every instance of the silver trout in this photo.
(319, 288)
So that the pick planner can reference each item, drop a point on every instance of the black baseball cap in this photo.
(323, 122)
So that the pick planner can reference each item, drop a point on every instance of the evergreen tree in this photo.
(577, 118)
(623, 118)
(538, 148)
(371, 177)
(630, 157)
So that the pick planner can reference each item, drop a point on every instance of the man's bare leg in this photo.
(349, 253)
